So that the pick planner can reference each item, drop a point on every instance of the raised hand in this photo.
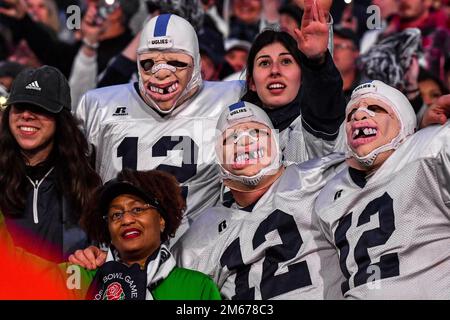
(437, 113)
(15, 9)
(312, 37)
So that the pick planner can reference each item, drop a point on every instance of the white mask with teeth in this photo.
(399, 104)
(242, 112)
(171, 33)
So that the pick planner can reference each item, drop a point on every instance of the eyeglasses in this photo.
(117, 215)
(147, 64)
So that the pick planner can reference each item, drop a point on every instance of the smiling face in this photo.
(165, 84)
(248, 11)
(33, 128)
(364, 132)
(136, 237)
(247, 148)
(276, 76)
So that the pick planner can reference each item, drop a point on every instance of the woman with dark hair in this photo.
(296, 82)
(45, 177)
(136, 213)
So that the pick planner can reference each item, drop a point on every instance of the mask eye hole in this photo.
(177, 64)
(350, 115)
(147, 64)
(376, 108)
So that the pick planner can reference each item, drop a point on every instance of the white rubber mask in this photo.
(399, 104)
(171, 33)
(252, 147)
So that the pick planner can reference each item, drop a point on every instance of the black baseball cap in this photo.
(114, 188)
(45, 87)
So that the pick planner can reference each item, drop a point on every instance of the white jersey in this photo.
(299, 145)
(393, 230)
(126, 132)
(274, 251)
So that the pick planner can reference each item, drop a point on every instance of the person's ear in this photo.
(251, 84)
(162, 224)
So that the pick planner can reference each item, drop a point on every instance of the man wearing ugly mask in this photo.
(166, 121)
(263, 243)
(388, 211)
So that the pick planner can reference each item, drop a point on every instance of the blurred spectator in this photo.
(191, 10)
(3, 98)
(354, 16)
(5, 42)
(8, 72)
(420, 14)
(23, 55)
(213, 19)
(433, 26)
(290, 18)
(345, 57)
(44, 11)
(389, 16)
(237, 53)
(447, 71)
(431, 87)
(245, 19)
(394, 61)
(212, 53)
(95, 25)
(45, 176)
(105, 40)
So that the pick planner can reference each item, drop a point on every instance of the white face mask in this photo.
(369, 159)
(178, 74)
(401, 108)
(241, 113)
(170, 33)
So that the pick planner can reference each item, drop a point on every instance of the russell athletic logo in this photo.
(33, 86)
(120, 111)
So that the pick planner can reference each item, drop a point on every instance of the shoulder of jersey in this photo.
(425, 143)
(106, 93)
(332, 188)
(312, 174)
(227, 91)
(213, 98)
(210, 224)
(232, 84)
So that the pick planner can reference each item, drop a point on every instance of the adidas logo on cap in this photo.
(34, 86)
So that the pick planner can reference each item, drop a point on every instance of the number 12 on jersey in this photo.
(128, 151)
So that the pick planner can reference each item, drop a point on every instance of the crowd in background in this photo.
(403, 43)
(39, 34)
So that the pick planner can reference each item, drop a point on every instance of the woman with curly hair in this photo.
(135, 214)
(45, 176)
